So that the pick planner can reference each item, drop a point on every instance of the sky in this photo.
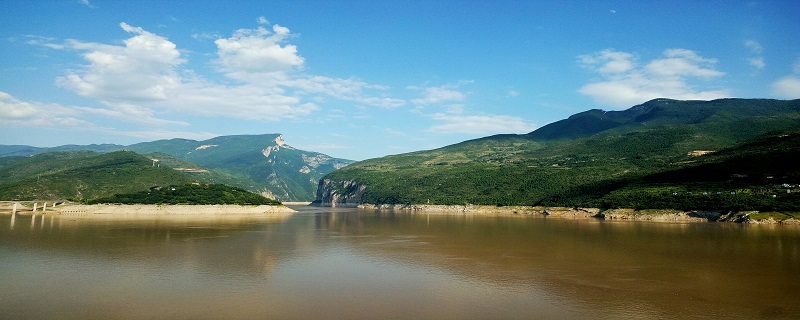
(365, 79)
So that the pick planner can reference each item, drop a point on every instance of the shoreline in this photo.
(619, 214)
(145, 210)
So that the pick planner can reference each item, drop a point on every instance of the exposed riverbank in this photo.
(656, 215)
(149, 210)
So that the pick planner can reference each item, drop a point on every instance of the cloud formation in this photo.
(438, 95)
(480, 124)
(455, 118)
(626, 82)
(254, 51)
(756, 49)
(18, 113)
(146, 77)
(788, 87)
(257, 75)
(144, 69)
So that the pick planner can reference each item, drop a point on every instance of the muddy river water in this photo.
(324, 263)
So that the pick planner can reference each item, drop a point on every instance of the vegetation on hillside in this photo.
(642, 157)
(253, 162)
(195, 194)
(760, 175)
(81, 175)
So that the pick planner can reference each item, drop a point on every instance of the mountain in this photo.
(260, 163)
(192, 194)
(586, 159)
(263, 164)
(81, 175)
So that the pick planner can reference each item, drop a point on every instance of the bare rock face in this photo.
(339, 193)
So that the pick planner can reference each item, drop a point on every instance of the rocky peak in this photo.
(278, 144)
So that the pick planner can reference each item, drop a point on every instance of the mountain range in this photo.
(262, 164)
(736, 154)
(661, 153)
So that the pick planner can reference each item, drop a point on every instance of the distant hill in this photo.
(81, 175)
(588, 158)
(193, 194)
(259, 163)
(724, 115)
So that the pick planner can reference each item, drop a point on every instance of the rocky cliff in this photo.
(339, 193)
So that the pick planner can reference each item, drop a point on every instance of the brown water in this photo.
(351, 264)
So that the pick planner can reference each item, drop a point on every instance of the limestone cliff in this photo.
(339, 193)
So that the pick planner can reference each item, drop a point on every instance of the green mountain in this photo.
(81, 175)
(259, 163)
(263, 164)
(594, 159)
(202, 194)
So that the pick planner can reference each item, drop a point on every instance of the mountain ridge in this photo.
(571, 162)
(263, 163)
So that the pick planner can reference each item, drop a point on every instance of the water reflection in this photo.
(346, 263)
(656, 268)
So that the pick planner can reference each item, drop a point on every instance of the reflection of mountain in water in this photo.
(636, 268)
(161, 242)
(413, 263)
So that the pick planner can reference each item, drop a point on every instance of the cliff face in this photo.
(339, 193)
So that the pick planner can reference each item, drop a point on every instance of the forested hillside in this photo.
(81, 175)
(193, 194)
(258, 163)
(600, 158)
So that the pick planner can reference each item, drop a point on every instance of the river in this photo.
(333, 263)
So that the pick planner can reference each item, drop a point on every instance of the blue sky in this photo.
(364, 79)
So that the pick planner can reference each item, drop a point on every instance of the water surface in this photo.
(348, 263)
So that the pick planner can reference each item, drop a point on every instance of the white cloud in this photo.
(18, 113)
(627, 82)
(455, 109)
(683, 63)
(144, 78)
(756, 49)
(43, 41)
(250, 102)
(143, 69)
(480, 124)
(262, 20)
(438, 95)
(344, 89)
(608, 61)
(206, 36)
(257, 51)
(131, 113)
(758, 63)
(31, 115)
(787, 87)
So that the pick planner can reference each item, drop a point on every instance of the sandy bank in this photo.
(171, 209)
(665, 215)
